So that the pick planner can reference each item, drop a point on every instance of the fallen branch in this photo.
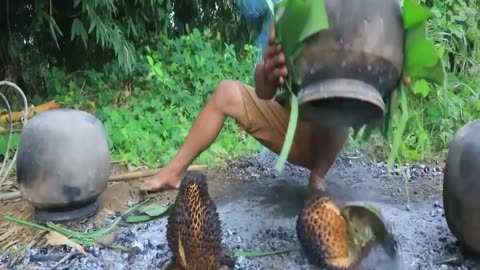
(149, 172)
(113, 178)
(17, 116)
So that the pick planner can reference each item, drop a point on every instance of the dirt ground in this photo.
(258, 208)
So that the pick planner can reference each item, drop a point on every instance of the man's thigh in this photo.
(267, 122)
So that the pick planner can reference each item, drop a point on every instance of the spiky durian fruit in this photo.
(194, 230)
(339, 239)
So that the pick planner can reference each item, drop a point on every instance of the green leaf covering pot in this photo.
(344, 68)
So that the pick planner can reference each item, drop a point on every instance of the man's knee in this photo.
(227, 97)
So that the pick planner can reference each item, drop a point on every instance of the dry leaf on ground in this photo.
(4, 236)
(110, 238)
(9, 245)
(56, 239)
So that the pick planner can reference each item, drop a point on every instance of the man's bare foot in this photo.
(165, 178)
(316, 183)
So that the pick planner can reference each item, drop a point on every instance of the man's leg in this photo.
(327, 143)
(313, 148)
(266, 121)
(225, 101)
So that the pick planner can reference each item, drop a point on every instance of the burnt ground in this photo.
(258, 209)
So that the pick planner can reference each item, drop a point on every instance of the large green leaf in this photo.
(421, 55)
(422, 61)
(156, 209)
(421, 87)
(292, 125)
(315, 21)
(414, 13)
(435, 74)
(300, 20)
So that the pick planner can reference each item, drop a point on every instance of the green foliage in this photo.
(148, 118)
(85, 34)
(13, 144)
(438, 111)
(101, 18)
(149, 76)
(422, 63)
(421, 58)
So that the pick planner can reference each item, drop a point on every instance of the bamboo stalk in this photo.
(113, 178)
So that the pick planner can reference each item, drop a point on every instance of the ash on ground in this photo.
(258, 208)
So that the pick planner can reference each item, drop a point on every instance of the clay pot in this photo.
(461, 186)
(348, 71)
(63, 159)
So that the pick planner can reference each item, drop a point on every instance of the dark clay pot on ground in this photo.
(63, 164)
(461, 187)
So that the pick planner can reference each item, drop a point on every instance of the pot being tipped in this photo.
(348, 71)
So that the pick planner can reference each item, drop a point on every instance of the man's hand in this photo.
(274, 61)
(271, 74)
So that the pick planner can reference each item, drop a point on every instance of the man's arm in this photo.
(264, 88)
